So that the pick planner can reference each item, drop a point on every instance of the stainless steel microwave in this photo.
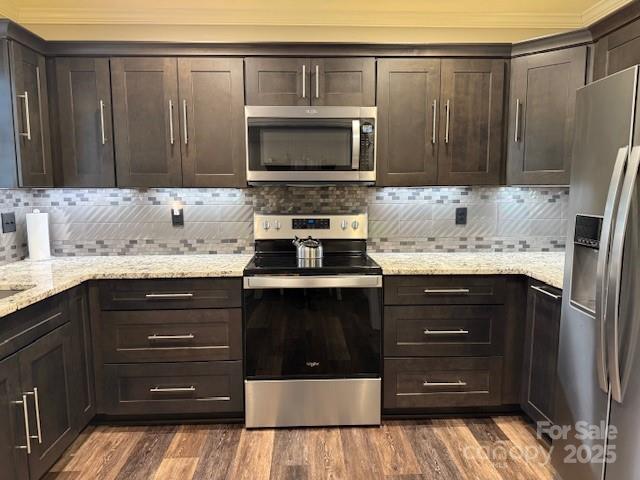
(311, 144)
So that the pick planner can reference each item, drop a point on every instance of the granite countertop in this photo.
(547, 267)
(43, 279)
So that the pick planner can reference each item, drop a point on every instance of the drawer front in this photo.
(168, 294)
(444, 290)
(443, 330)
(173, 388)
(414, 383)
(171, 335)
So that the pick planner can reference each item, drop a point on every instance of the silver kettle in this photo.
(308, 248)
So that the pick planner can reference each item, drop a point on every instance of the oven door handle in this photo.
(312, 281)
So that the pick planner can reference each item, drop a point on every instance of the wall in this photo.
(118, 221)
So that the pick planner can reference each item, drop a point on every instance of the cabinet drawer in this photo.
(444, 290)
(167, 294)
(442, 382)
(173, 388)
(444, 330)
(171, 335)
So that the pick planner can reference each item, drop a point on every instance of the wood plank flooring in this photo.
(498, 448)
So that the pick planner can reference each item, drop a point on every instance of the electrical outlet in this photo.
(8, 222)
(461, 216)
(177, 217)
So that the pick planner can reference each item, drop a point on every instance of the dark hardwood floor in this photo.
(498, 448)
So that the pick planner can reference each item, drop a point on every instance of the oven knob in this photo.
(266, 225)
(355, 224)
(343, 224)
(277, 224)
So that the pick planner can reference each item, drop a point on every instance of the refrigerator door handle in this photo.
(603, 260)
(615, 275)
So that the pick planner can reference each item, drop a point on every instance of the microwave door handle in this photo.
(615, 277)
(355, 145)
(603, 260)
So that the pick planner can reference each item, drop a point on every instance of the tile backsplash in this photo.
(128, 221)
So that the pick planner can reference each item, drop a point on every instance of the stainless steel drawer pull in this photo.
(189, 336)
(168, 296)
(172, 389)
(27, 120)
(459, 383)
(546, 292)
(36, 401)
(446, 332)
(27, 432)
(446, 291)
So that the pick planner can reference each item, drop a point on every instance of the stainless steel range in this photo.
(312, 324)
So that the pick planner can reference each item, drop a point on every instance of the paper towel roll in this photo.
(38, 235)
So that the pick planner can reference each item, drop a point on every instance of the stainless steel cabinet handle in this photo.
(618, 384)
(102, 133)
(445, 291)
(459, 383)
(546, 292)
(446, 127)
(168, 296)
(27, 432)
(516, 135)
(172, 389)
(171, 122)
(460, 331)
(27, 119)
(188, 336)
(184, 121)
(317, 81)
(304, 81)
(603, 261)
(434, 110)
(36, 401)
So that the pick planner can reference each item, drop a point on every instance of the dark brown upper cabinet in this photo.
(408, 97)
(146, 122)
(84, 122)
(277, 81)
(25, 150)
(343, 81)
(541, 116)
(471, 122)
(618, 50)
(211, 92)
(310, 81)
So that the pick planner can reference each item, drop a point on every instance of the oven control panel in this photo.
(345, 227)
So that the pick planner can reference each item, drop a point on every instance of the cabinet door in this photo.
(278, 81)
(84, 122)
(31, 117)
(541, 115)
(343, 81)
(408, 96)
(84, 396)
(47, 365)
(212, 121)
(145, 119)
(617, 51)
(541, 351)
(13, 453)
(471, 141)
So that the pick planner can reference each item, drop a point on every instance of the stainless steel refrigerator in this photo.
(598, 361)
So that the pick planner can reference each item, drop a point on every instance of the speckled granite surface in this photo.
(46, 278)
(547, 267)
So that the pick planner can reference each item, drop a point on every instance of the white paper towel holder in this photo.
(38, 236)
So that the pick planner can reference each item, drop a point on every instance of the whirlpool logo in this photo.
(312, 364)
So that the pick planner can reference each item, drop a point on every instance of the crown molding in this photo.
(9, 9)
(601, 9)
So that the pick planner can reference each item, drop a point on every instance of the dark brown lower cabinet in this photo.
(13, 453)
(46, 375)
(173, 388)
(541, 351)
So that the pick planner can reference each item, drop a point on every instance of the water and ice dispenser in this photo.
(586, 246)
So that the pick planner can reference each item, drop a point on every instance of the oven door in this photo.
(312, 327)
(302, 144)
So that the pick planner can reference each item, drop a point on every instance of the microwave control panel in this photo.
(367, 145)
